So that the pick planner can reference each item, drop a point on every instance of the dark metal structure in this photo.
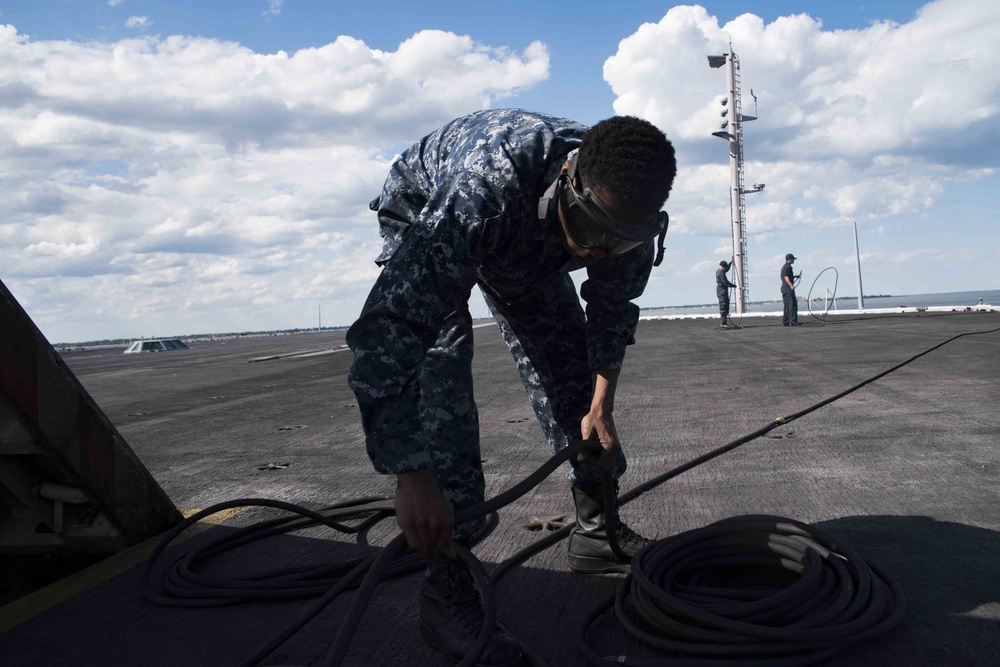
(69, 483)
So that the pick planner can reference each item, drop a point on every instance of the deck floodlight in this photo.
(716, 61)
(724, 101)
(724, 113)
(758, 186)
(724, 124)
(723, 135)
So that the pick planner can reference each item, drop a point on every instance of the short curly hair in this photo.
(630, 157)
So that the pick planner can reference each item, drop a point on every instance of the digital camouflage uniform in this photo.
(722, 285)
(790, 302)
(461, 208)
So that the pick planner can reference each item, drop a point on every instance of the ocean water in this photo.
(989, 297)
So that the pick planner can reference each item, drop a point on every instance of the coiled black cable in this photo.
(757, 590)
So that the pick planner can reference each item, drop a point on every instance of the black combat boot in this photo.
(451, 615)
(589, 549)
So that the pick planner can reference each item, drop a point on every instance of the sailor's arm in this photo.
(599, 423)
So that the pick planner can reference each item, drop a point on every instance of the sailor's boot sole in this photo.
(596, 565)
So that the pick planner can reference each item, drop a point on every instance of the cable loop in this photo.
(752, 590)
(833, 297)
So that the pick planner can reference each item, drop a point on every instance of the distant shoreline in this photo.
(763, 303)
(909, 301)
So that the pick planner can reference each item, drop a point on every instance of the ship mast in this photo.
(732, 131)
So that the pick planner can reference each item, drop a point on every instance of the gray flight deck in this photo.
(906, 470)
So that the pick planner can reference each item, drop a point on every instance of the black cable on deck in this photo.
(686, 595)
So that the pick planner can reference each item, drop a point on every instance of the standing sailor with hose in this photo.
(722, 286)
(790, 302)
(511, 201)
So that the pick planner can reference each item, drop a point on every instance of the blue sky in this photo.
(183, 167)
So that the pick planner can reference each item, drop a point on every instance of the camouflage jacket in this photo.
(460, 208)
(722, 282)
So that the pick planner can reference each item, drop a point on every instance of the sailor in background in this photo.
(722, 286)
(790, 313)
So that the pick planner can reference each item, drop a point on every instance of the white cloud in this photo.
(186, 179)
(137, 22)
(877, 124)
(115, 3)
(843, 94)
(273, 8)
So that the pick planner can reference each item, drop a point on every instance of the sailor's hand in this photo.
(425, 516)
(601, 427)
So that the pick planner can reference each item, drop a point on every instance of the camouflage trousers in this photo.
(547, 336)
(723, 296)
